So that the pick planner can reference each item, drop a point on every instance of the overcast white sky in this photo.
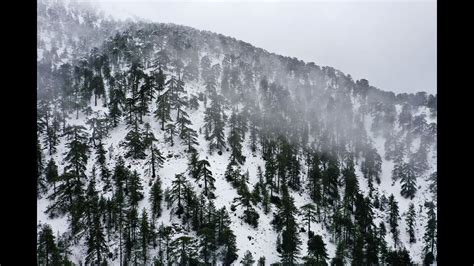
(390, 43)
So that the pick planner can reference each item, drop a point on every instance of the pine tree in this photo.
(371, 167)
(145, 235)
(247, 260)
(245, 200)
(130, 236)
(194, 165)
(116, 103)
(308, 211)
(430, 229)
(77, 155)
(171, 132)
(411, 221)
(165, 233)
(207, 243)
(194, 102)
(351, 187)
(163, 110)
(47, 250)
(155, 161)
(330, 182)
(315, 181)
(317, 253)
(102, 163)
(51, 173)
(99, 128)
(339, 259)
(214, 123)
(290, 238)
(206, 175)
(184, 251)
(382, 231)
(156, 197)
(393, 218)
(134, 143)
(96, 243)
(189, 137)
(177, 193)
(408, 180)
(230, 247)
(270, 174)
(398, 257)
(134, 188)
(235, 139)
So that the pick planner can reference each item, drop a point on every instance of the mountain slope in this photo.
(290, 112)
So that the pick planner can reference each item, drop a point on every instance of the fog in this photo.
(390, 43)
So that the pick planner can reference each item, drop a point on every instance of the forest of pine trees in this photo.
(115, 118)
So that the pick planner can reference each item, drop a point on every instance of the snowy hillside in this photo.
(246, 139)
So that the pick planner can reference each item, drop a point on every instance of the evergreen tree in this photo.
(96, 242)
(371, 167)
(51, 173)
(145, 235)
(214, 123)
(155, 161)
(47, 250)
(408, 180)
(194, 102)
(428, 259)
(411, 221)
(207, 243)
(194, 165)
(245, 200)
(309, 212)
(317, 253)
(162, 112)
(177, 194)
(156, 197)
(393, 218)
(339, 259)
(430, 229)
(171, 132)
(270, 171)
(102, 163)
(235, 139)
(399, 257)
(382, 231)
(229, 252)
(165, 234)
(206, 175)
(315, 181)
(116, 103)
(134, 189)
(184, 251)
(290, 238)
(330, 182)
(247, 260)
(99, 128)
(77, 155)
(134, 143)
(189, 137)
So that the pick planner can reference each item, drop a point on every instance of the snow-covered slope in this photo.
(310, 90)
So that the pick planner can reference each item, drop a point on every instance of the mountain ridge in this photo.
(241, 111)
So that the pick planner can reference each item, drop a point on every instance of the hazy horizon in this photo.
(390, 43)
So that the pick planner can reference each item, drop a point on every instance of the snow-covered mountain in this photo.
(221, 144)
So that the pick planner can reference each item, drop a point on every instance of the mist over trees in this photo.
(119, 102)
